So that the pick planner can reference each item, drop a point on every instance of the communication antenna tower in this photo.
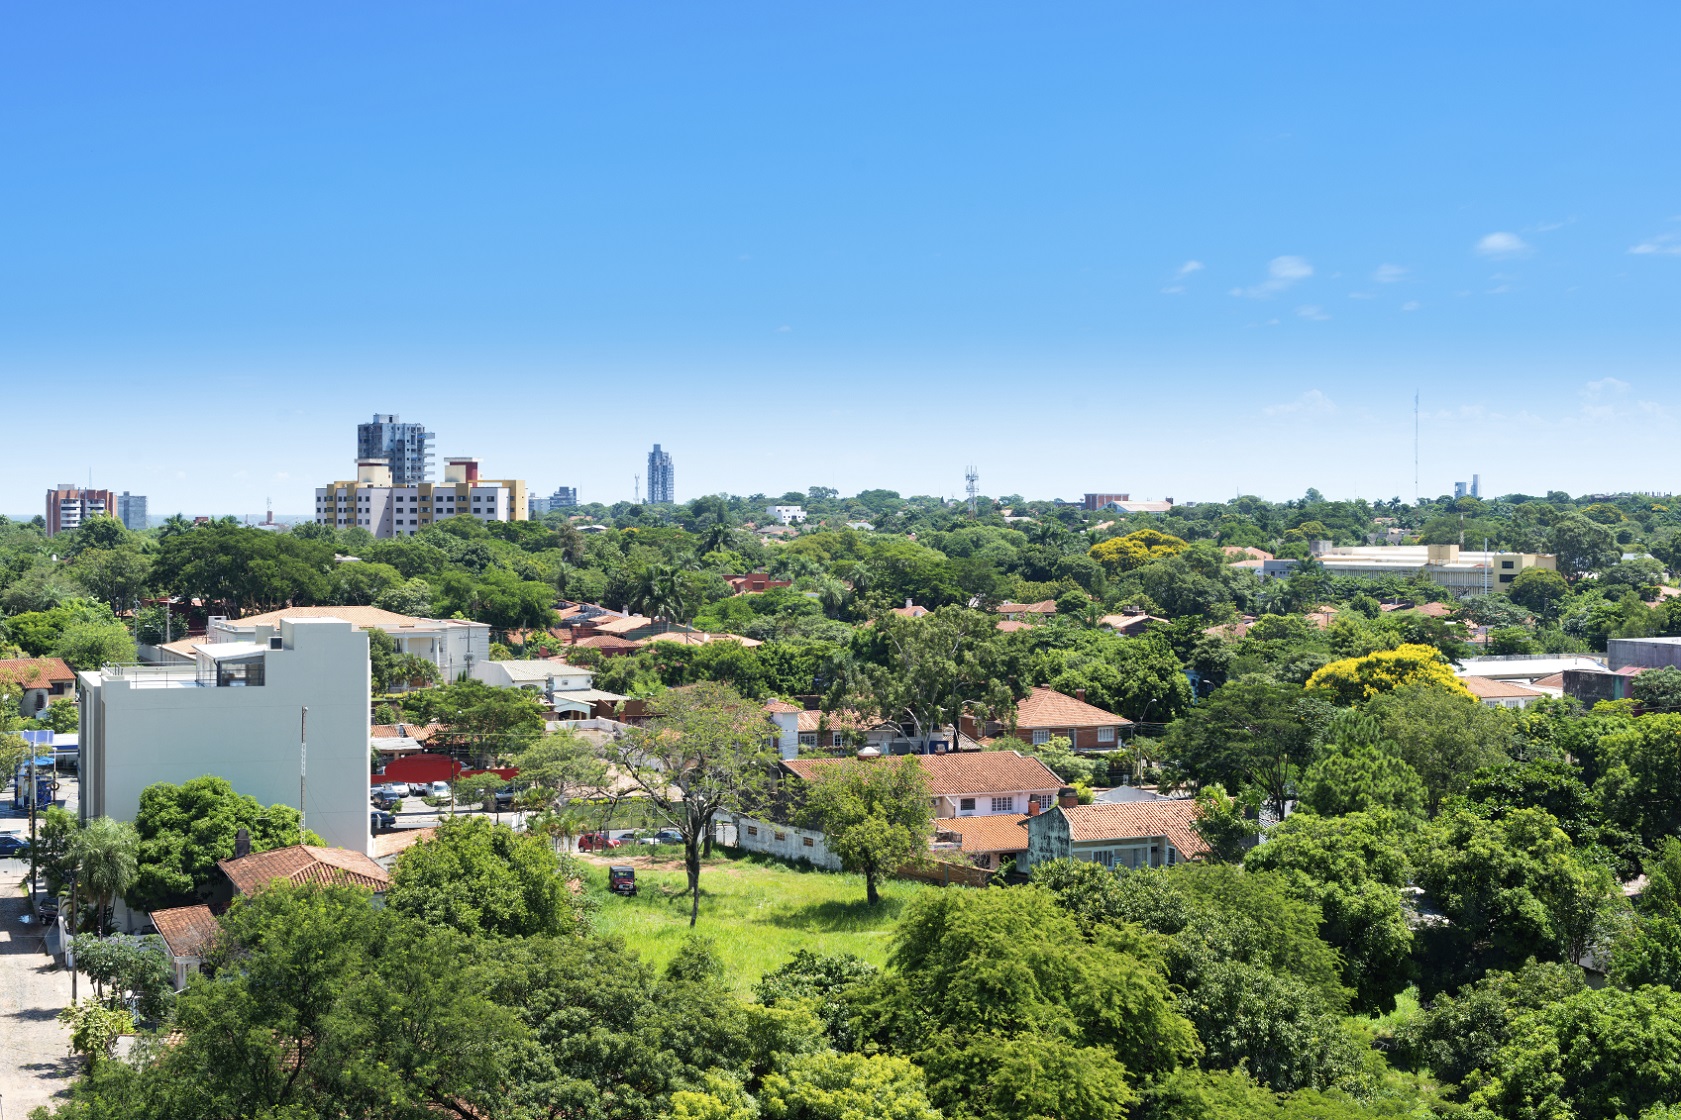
(1415, 447)
(972, 484)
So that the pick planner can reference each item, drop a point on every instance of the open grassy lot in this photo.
(757, 910)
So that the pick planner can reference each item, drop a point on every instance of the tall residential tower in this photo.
(662, 485)
(406, 448)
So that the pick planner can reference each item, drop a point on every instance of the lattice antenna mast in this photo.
(972, 485)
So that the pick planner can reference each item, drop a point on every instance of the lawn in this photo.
(758, 911)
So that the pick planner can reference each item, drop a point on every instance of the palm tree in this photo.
(659, 593)
(104, 853)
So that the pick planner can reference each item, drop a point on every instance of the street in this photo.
(33, 989)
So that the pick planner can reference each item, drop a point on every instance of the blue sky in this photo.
(1174, 250)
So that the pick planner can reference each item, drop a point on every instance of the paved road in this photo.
(36, 1066)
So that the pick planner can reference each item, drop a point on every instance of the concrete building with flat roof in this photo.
(69, 506)
(407, 448)
(376, 502)
(237, 712)
(1447, 565)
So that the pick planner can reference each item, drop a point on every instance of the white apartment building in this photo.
(373, 503)
(456, 646)
(787, 515)
(1448, 565)
(237, 712)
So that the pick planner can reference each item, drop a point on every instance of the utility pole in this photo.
(303, 766)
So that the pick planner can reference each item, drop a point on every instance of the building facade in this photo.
(786, 515)
(1130, 835)
(1447, 565)
(375, 502)
(238, 712)
(69, 505)
(564, 497)
(406, 448)
(455, 645)
(662, 478)
(131, 511)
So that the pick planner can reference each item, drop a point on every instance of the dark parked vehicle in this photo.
(385, 803)
(13, 846)
(382, 821)
(621, 879)
(668, 836)
(596, 842)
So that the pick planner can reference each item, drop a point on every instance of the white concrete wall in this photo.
(139, 732)
(753, 835)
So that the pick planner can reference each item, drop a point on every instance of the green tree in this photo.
(1253, 731)
(1462, 1033)
(105, 853)
(1641, 784)
(1357, 777)
(1225, 824)
(828, 1086)
(1443, 734)
(1581, 546)
(95, 1028)
(830, 987)
(705, 750)
(1541, 590)
(1658, 690)
(924, 673)
(185, 829)
(476, 876)
(126, 968)
(874, 815)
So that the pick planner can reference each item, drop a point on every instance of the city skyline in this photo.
(1086, 249)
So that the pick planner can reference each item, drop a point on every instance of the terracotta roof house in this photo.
(988, 841)
(1128, 625)
(303, 863)
(697, 638)
(966, 783)
(754, 582)
(185, 930)
(41, 680)
(610, 645)
(1493, 693)
(1046, 713)
(910, 610)
(1011, 625)
(1551, 685)
(1434, 610)
(401, 738)
(1129, 835)
(1015, 611)
(1245, 553)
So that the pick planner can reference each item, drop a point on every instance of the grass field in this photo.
(758, 911)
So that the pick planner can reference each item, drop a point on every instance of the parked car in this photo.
(668, 836)
(384, 801)
(13, 847)
(381, 820)
(597, 842)
(621, 879)
(439, 789)
(398, 789)
(505, 797)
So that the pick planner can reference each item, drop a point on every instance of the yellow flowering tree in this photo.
(1123, 554)
(1353, 679)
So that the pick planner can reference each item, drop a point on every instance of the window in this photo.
(782, 836)
(1105, 856)
(1003, 804)
(752, 830)
(1504, 578)
(808, 738)
(807, 841)
(966, 805)
(1041, 737)
(1106, 734)
(1043, 800)
(1505, 563)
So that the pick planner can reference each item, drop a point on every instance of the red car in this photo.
(597, 842)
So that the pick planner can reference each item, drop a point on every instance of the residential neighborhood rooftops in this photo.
(960, 773)
(1000, 832)
(1171, 818)
(185, 929)
(1046, 707)
(303, 863)
(36, 672)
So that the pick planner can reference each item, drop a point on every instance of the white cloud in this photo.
(1389, 274)
(1282, 272)
(1664, 244)
(1605, 387)
(784, 329)
(1499, 245)
(1179, 274)
(1411, 305)
(1188, 267)
(1311, 403)
(1312, 311)
(282, 475)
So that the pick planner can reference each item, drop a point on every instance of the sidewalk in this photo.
(38, 1066)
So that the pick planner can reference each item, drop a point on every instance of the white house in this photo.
(568, 689)
(786, 515)
(238, 712)
(968, 783)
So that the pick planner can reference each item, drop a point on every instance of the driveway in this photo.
(37, 1066)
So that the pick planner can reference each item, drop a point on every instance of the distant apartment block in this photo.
(131, 511)
(237, 712)
(564, 497)
(374, 501)
(1125, 504)
(406, 448)
(68, 506)
(662, 479)
(787, 515)
(1445, 564)
(1472, 489)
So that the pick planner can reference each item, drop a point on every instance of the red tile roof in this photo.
(1251, 553)
(1131, 819)
(1554, 681)
(1434, 610)
(1488, 688)
(36, 672)
(185, 929)
(1011, 625)
(1043, 606)
(1048, 708)
(1000, 832)
(782, 706)
(304, 863)
(964, 773)
(606, 642)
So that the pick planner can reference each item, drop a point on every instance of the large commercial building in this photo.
(238, 712)
(406, 448)
(1447, 565)
(564, 497)
(131, 511)
(68, 505)
(375, 502)
(662, 479)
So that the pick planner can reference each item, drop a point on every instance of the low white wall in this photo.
(781, 840)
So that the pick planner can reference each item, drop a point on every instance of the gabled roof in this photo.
(1132, 819)
(1491, 688)
(185, 929)
(1127, 621)
(782, 706)
(960, 774)
(1248, 551)
(1011, 625)
(304, 863)
(623, 625)
(361, 617)
(1043, 606)
(606, 642)
(1048, 708)
(697, 638)
(1000, 832)
(36, 672)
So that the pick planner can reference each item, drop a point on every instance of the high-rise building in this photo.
(564, 497)
(662, 485)
(406, 448)
(374, 501)
(131, 511)
(68, 505)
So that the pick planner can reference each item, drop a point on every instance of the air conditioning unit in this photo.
(274, 642)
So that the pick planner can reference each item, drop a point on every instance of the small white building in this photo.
(237, 712)
(786, 515)
(568, 689)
